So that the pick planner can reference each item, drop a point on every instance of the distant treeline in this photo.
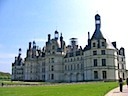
(5, 76)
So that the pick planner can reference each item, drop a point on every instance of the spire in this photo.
(97, 34)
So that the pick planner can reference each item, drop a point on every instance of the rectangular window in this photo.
(95, 62)
(122, 59)
(95, 74)
(49, 60)
(103, 44)
(52, 60)
(104, 74)
(102, 52)
(94, 52)
(122, 66)
(52, 68)
(65, 67)
(94, 44)
(103, 62)
(52, 76)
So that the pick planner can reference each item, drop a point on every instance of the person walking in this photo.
(121, 84)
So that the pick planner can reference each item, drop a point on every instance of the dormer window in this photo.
(94, 44)
(53, 47)
(103, 44)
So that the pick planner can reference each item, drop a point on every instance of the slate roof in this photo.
(97, 35)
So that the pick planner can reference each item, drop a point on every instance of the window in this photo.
(65, 67)
(49, 60)
(118, 66)
(122, 66)
(95, 62)
(122, 59)
(52, 68)
(77, 66)
(104, 74)
(94, 52)
(71, 59)
(71, 54)
(52, 76)
(103, 44)
(103, 62)
(74, 59)
(53, 47)
(102, 52)
(74, 66)
(68, 67)
(94, 44)
(71, 67)
(53, 52)
(43, 77)
(95, 74)
(52, 60)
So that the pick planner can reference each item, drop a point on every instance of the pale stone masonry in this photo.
(56, 62)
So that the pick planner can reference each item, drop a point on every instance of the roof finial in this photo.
(56, 27)
(97, 12)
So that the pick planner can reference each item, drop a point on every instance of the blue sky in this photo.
(22, 21)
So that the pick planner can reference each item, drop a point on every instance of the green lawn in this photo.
(84, 89)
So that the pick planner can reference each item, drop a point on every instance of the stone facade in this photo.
(56, 62)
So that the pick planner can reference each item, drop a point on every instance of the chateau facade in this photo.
(99, 60)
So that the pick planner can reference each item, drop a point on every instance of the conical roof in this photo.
(97, 35)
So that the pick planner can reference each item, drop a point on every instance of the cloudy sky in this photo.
(22, 21)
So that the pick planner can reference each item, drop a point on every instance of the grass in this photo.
(76, 89)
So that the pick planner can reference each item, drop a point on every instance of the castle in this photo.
(99, 60)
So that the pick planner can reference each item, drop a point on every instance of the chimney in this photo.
(49, 37)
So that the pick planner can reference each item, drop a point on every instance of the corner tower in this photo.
(101, 56)
(97, 33)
